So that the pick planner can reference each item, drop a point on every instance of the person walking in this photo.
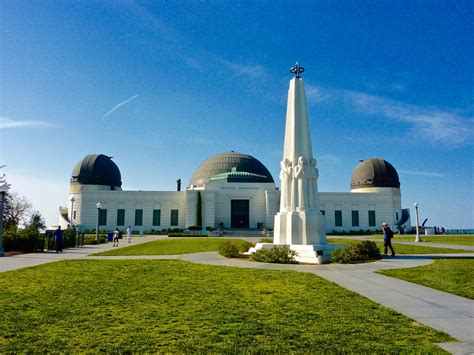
(58, 238)
(116, 237)
(129, 234)
(387, 239)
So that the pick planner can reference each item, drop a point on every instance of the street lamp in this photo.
(417, 239)
(72, 209)
(98, 220)
(3, 191)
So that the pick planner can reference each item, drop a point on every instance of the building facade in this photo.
(230, 190)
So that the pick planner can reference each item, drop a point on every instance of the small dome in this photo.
(374, 172)
(231, 162)
(97, 169)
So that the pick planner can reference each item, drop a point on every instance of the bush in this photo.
(245, 246)
(194, 228)
(25, 240)
(229, 249)
(363, 251)
(265, 240)
(279, 255)
(184, 235)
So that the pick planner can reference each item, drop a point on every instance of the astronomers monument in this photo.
(299, 223)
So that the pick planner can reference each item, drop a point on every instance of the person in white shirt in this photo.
(129, 234)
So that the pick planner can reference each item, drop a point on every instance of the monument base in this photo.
(310, 254)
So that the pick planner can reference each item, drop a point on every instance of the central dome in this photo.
(230, 162)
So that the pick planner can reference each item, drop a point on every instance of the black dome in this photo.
(97, 169)
(225, 162)
(374, 172)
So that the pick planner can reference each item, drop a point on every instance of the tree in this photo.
(37, 221)
(17, 209)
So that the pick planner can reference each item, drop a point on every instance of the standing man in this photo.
(58, 239)
(129, 234)
(387, 239)
(116, 237)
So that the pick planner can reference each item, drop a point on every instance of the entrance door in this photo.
(239, 213)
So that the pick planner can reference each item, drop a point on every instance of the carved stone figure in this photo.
(300, 175)
(313, 175)
(285, 178)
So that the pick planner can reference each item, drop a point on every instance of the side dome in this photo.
(232, 163)
(374, 172)
(97, 169)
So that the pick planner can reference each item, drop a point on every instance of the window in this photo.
(156, 217)
(396, 216)
(323, 212)
(372, 219)
(102, 217)
(355, 218)
(338, 218)
(174, 218)
(138, 217)
(74, 215)
(120, 217)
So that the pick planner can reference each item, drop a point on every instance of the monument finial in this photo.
(297, 70)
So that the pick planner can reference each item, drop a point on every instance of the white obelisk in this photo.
(300, 222)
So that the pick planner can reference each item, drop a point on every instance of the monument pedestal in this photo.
(309, 254)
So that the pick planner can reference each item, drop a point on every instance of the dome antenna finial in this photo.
(297, 70)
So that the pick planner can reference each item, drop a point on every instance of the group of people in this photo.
(116, 236)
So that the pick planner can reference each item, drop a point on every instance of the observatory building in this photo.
(230, 190)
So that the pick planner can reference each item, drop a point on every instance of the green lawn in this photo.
(466, 239)
(454, 276)
(171, 306)
(404, 248)
(172, 246)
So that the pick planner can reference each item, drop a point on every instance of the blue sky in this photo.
(163, 85)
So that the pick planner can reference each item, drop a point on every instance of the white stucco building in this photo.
(234, 190)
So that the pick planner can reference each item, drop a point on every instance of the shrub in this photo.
(363, 251)
(25, 240)
(279, 255)
(194, 228)
(184, 235)
(265, 240)
(245, 246)
(229, 249)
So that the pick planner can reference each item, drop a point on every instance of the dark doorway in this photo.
(239, 213)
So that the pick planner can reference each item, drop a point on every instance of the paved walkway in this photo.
(440, 310)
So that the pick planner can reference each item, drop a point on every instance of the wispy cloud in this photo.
(426, 123)
(7, 122)
(436, 125)
(422, 173)
(120, 104)
(252, 70)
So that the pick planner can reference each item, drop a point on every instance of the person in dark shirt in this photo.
(58, 238)
(387, 239)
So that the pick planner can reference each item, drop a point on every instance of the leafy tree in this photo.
(37, 221)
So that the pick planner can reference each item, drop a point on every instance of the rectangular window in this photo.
(156, 217)
(74, 215)
(174, 218)
(138, 217)
(355, 218)
(396, 216)
(338, 218)
(102, 217)
(120, 217)
(372, 218)
(323, 212)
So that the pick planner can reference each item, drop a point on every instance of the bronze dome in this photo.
(374, 172)
(225, 163)
(97, 169)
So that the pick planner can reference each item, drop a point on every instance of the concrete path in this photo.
(446, 312)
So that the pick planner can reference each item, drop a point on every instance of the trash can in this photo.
(110, 237)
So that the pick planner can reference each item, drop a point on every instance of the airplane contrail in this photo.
(120, 104)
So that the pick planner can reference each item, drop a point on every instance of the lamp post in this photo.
(3, 191)
(98, 220)
(417, 238)
(72, 209)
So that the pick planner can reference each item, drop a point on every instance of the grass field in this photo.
(172, 246)
(454, 276)
(171, 306)
(405, 248)
(466, 239)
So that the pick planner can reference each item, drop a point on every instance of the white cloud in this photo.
(317, 94)
(422, 173)
(120, 104)
(252, 71)
(7, 122)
